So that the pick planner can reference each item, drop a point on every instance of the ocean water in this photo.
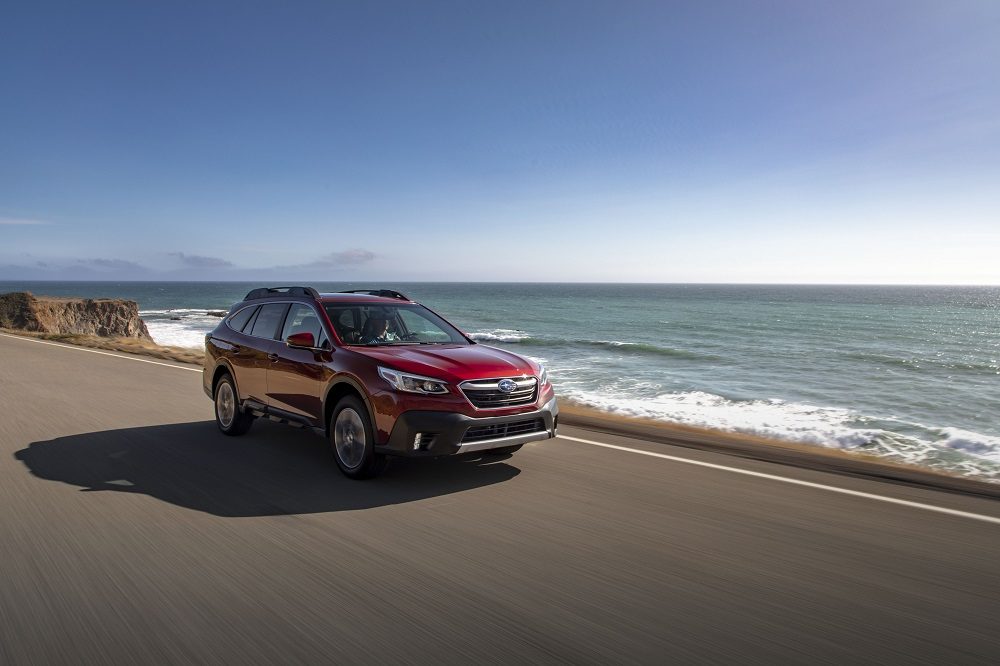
(909, 373)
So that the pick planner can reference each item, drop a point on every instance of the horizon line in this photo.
(526, 282)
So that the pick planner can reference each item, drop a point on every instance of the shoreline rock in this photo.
(103, 317)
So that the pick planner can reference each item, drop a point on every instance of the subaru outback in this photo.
(375, 373)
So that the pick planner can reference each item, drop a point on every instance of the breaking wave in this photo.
(514, 336)
(180, 327)
(500, 335)
(949, 449)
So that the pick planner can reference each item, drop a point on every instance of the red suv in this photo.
(376, 373)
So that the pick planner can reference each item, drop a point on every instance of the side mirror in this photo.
(301, 340)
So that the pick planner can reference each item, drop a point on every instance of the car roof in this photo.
(334, 297)
(360, 298)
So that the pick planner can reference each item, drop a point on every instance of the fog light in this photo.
(416, 441)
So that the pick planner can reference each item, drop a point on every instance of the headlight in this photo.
(412, 383)
(543, 375)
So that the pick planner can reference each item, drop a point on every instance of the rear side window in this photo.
(240, 319)
(267, 322)
(249, 324)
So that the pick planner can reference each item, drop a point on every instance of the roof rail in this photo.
(265, 292)
(384, 293)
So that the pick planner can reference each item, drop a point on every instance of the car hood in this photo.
(454, 363)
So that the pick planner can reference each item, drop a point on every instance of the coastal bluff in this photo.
(104, 317)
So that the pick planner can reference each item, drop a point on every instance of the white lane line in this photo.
(785, 479)
(97, 351)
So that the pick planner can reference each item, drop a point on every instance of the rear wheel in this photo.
(229, 416)
(353, 440)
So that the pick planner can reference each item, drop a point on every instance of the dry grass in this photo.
(128, 345)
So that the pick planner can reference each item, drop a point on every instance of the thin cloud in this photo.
(335, 260)
(114, 264)
(198, 261)
(356, 256)
(192, 266)
(19, 222)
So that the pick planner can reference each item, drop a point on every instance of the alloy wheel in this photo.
(349, 437)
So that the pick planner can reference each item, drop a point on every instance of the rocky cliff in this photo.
(105, 317)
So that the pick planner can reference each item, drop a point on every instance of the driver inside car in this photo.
(377, 332)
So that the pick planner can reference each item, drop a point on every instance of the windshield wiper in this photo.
(403, 343)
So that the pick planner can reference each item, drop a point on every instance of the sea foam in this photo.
(951, 449)
(187, 331)
(973, 443)
(826, 426)
(500, 335)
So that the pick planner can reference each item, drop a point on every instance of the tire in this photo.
(353, 440)
(505, 450)
(229, 415)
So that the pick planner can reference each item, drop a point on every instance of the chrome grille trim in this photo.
(485, 393)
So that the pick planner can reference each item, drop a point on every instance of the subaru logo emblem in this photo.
(506, 386)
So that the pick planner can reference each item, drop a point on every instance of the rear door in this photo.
(296, 377)
(254, 358)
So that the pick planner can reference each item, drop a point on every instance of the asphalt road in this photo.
(131, 531)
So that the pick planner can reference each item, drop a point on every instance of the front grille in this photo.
(486, 393)
(480, 433)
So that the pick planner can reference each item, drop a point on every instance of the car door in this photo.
(253, 358)
(296, 377)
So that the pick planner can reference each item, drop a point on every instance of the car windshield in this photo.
(389, 324)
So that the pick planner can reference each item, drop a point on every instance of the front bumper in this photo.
(449, 433)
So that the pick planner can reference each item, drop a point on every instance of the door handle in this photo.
(236, 349)
(272, 357)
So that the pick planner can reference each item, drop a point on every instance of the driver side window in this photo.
(303, 319)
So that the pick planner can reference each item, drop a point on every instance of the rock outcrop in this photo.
(105, 317)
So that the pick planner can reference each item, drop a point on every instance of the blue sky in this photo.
(554, 141)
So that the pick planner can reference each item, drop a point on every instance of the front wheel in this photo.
(353, 441)
(230, 418)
